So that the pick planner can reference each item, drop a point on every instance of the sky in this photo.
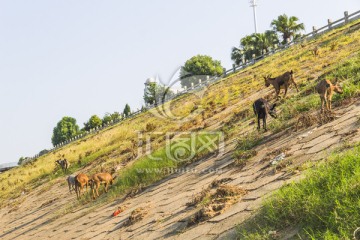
(83, 57)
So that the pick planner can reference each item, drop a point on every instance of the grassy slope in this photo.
(325, 205)
(339, 57)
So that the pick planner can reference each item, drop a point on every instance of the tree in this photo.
(93, 122)
(65, 129)
(287, 26)
(198, 67)
(43, 152)
(115, 116)
(155, 93)
(256, 44)
(263, 41)
(21, 160)
(127, 110)
(111, 117)
(107, 118)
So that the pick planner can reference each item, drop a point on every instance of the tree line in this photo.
(68, 128)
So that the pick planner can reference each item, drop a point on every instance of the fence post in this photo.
(346, 16)
(253, 57)
(234, 67)
(224, 72)
(329, 24)
(314, 30)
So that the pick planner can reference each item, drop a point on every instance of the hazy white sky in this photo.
(83, 57)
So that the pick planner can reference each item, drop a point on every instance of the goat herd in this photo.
(262, 108)
(78, 182)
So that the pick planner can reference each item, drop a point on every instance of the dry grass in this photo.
(137, 215)
(223, 197)
(306, 120)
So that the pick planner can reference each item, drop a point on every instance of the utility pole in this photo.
(253, 5)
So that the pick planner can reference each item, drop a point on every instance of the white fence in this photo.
(315, 32)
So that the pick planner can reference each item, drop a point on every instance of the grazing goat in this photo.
(81, 180)
(282, 81)
(262, 109)
(99, 178)
(326, 89)
(316, 51)
(64, 164)
(71, 182)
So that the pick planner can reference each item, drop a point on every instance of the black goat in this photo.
(262, 109)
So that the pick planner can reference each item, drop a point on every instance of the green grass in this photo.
(325, 205)
(244, 147)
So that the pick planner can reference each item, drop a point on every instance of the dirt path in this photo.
(165, 201)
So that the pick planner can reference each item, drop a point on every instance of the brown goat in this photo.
(282, 81)
(81, 180)
(64, 164)
(326, 89)
(316, 51)
(99, 178)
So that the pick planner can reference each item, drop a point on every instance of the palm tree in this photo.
(287, 26)
(263, 41)
(253, 44)
(237, 55)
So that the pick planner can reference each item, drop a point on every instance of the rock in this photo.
(278, 159)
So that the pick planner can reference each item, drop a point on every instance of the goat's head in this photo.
(267, 83)
(272, 111)
(91, 183)
(112, 180)
(337, 87)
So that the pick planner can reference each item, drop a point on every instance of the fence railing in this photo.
(235, 68)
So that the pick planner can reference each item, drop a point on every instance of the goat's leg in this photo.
(69, 184)
(329, 101)
(322, 104)
(76, 191)
(97, 188)
(286, 88)
(326, 104)
(93, 193)
(258, 124)
(297, 89)
(106, 187)
(277, 94)
(264, 123)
